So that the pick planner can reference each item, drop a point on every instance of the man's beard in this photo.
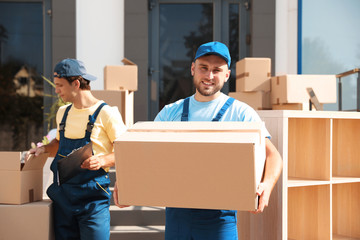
(208, 92)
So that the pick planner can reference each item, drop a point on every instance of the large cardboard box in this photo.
(292, 88)
(21, 183)
(253, 74)
(258, 100)
(31, 221)
(124, 100)
(121, 77)
(210, 165)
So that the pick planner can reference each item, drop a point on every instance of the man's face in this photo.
(64, 89)
(209, 74)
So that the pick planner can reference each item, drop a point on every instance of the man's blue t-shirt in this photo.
(206, 111)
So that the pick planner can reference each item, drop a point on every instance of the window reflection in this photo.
(183, 28)
(233, 42)
(21, 84)
(331, 43)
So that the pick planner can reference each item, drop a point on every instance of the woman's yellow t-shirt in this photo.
(108, 126)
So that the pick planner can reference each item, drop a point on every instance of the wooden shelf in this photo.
(346, 210)
(346, 147)
(336, 180)
(317, 195)
(298, 182)
(309, 212)
(309, 148)
(339, 237)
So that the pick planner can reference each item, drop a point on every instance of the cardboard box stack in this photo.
(124, 100)
(21, 198)
(289, 91)
(212, 165)
(256, 87)
(120, 83)
(31, 221)
(253, 82)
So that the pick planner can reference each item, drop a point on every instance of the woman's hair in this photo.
(84, 84)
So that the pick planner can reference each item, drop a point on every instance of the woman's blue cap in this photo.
(71, 68)
(214, 48)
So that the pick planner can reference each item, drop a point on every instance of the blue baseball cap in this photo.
(70, 68)
(214, 48)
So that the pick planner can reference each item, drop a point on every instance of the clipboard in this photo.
(70, 165)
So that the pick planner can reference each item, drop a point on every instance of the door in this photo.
(177, 29)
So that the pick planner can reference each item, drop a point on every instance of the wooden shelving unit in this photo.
(317, 195)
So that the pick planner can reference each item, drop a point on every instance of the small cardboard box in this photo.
(121, 77)
(31, 221)
(209, 165)
(258, 100)
(124, 100)
(21, 183)
(292, 88)
(253, 74)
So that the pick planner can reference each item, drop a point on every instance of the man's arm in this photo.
(50, 148)
(273, 168)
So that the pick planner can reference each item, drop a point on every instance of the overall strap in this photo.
(92, 119)
(185, 113)
(63, 121)
(223, 109)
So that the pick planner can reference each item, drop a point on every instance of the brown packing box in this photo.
(31, 221)
(253, 74)
(258, 100)
(292, 88)
(211, 165)
(121, 77)
(124, 100)
(21, 184)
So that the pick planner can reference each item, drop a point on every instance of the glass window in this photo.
(21, 67)
(234, 33)
(331, 43)
(185, 26)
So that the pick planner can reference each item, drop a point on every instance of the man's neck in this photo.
(201, 98)
(84, 100)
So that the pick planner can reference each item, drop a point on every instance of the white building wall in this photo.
(99, 36)
(286, 37)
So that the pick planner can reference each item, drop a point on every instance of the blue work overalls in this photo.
(81, 205)
(201, 224)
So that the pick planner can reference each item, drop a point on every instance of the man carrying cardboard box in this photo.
(210, 70)
(80, 191)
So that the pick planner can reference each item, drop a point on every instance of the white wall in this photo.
(286, 37)
(99, 36)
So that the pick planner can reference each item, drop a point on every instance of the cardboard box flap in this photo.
(10, 161)
(127, 62)
(220, 132)
(35, 163)
(198, 126)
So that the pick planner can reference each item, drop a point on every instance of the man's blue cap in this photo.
(71, 68)
(214, 48)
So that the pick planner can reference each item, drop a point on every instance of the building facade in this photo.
(161, 36)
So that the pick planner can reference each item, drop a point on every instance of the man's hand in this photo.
(36, 151)
(263, 191)
(116, 200)
(93, 163)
